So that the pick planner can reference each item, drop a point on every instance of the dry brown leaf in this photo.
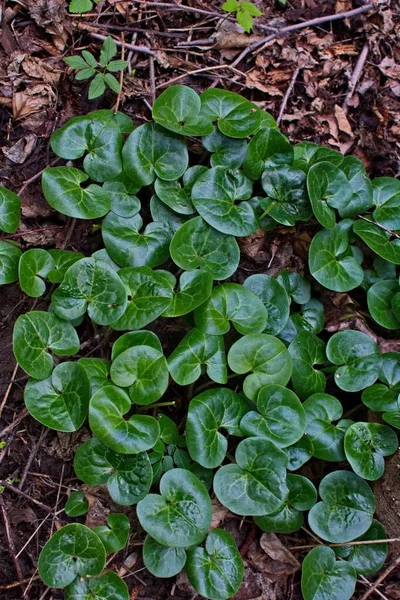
(97, 513)
(271, 557)
(52, 14)
(342, 120)
(219, 513)
(128, 564)
(234, 39)
(22, 515)
(253, 246)
(255, 80)
(19, 152)
(31, 105)
(39, 69)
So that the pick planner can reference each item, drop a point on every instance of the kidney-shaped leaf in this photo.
(379, 298)
(386, 193)
(219, 408)
(9, 260)
(361, 187)
(306, 351)
(268, 148)
(76, 504)
(106, 419)
(62, 261)
(10, 210)
(135, 338)
(115, 534)
(37, 332)
(73, 550)
(194, 289)
(346, 510)
(275, 299)
(178, 108)
(325, 577)
(215, 571)
(34, 265)
(226, 152)
(256, 485)
(236, 117)
(287, 200)
(369, 558)
(365, 445)
(327, 439)
(98, 372)
(162, 561)
(328, 188)
(181, 515)
(123, 204)
(176, 195)
(107, 587)
(379, 240)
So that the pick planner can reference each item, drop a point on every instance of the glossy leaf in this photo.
(76, 504)
(135, 338)
(181, 515)
(381, 242)
(34, 266)
(107, 587)
(369, 558)
(379, 300)
(194, 289)
(177, 195)
(62, 261)
(361, 187)
(10, 210)
(226, 152)
(178, 108)
(236, 117)
(123, 204)
(297, 287)
(306, 351)
(327, 439)
(274, 298)
(309, 319)
(287, 200)
(386, 193)
(98, 372)
(365, 445)
(37, 332)
(219, 408)
(106, 419)
(162, 214)
(162, 561)
(9, 260)
(299, 453)
(115, 534)
(268, 149)
(325, 577)
(307, 154)
(328, 188)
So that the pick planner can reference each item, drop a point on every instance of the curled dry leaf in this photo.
(19, 152)
(270, 556)
(39, 69)
(219, 513)
(342, 120)
(31, 105)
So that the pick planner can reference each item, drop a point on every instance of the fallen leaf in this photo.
(128, 564)
(19, 152)
(219, 513)
(342, 120)
(39, 69)
(270, 556)
(255, 80)
(34, 101)
(97, 513)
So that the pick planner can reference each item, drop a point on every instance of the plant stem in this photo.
(158, 404)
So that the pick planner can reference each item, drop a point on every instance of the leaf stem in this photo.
(157, 405)
(338, 545)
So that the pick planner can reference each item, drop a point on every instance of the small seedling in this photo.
(81, 6)
(245, 11)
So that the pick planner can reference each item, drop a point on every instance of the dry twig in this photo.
(356, 75)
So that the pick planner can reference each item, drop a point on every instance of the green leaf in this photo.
(194, 289)
(379, 300)
(196, 244)
(178, 109)
(236, 117)
(386, 193)
(231, 6)
(215, 194)
(106, 419)
(296, 286)
(302, 496)
(73, 550)
(195, 351)
(299, 453)
(84, 74)
(381, 242)
(93, 286)
(112, 83)
(361, 199)
(37, 332)
(98, 372)
(62, 260)
(307, 154)
(128, 477)
(280, 417)
(181, 515)
(266, 357)
(117, 65)
(149, 295)
(256, 485)
(144, 370)
(287, 200)
(331, 261)
(9, 260)
(219, 408)
(115, 534)
(34, 266)
(215, 571)
(178, 196)
(325, 577)
(231, 302)
(328, 188)
(76, 504)
(107, 587)
(326, 438)
(250, 8)
(162, 214)
(89, 58)
(97, 87)
(130, 248)
(365, 445)
(10, 210)
(108, 51)
(360, 357)
(122, 203)
(62, 190)
(227, 152)
(245, 19)
(369, 558)
(135, 338)
(307, 350)
(151, 151)
(346, 510)
(274, 298)
(80, 6)
(268, 149)
(61, 401)
(162, 561)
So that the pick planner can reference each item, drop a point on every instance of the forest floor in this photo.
(335, 82)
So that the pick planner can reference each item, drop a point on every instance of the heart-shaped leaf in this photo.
(34, 265)
(151, 151)
(115, 534)
(135, 338)
(381, 242)
(76, 504)
(280, 417)
(144, 370)
(106, 419)
(359, 354)
(309, 319)
(328, 188)
(369, 558)
(325, 577)
(307, 154)
(9, 260)
(128, 477)
(219, 408)
(386, 194)
(130, 248)
(226, 152)
(178, 108)
(196, 351)
(162, 214)
(181, 515)
(93, 286)
(266, 357)
(123, 204)
(299, 453)
(215, 571)
(365, 445)
(63, 191)
(107, 587)
(197, 244)
(149, 295)
(287, 200)
(306, 351)
(162, 561)
(62, 261)
(327, 439)
(236, 117)
(379, 299)
(361, 187)
(346, 510)
(60, 401)
(98, 372)
(274, 298)
(331, 261)
(296, 286)
(268, 149)
(176, 195)
(73, 550)
(215, 195)
(231, 302)
(37, 332)
(10, 210)
(256, 485)
(194, 289)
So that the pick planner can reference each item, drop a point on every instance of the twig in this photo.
(22, 233)
(11, 488)
(10, 586)
(172, 6)
(377, 583)
(392, 233)
(121, 76)
(136, 30)
(10, 540)
(326, 19)
(359, 543)
(32, 456)
(98, 36)
(287, 95)
(32, 179)
(196, 72)
(152, 79)
(24, 413)
(356, 75)
(8, 390)
(248, 541)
